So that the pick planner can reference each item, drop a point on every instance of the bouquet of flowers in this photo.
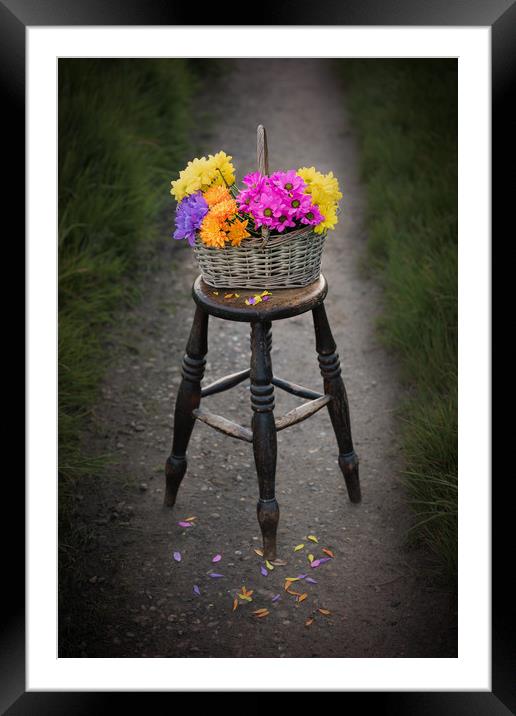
(211, 210)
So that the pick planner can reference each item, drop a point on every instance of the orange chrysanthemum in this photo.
(237, 232)
(215, 194)
(224, 209)
(212, 231)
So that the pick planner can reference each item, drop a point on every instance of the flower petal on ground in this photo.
(298, 547)
(217, 558)
(177, 556)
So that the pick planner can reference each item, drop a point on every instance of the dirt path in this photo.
(134, 599)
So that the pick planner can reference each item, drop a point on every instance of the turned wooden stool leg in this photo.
(338, 407)
(188, 399)
(264, 434)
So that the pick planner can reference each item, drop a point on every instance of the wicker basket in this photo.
(285, 260)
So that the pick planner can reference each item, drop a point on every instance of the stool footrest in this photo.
(295, 389)
(223, 425)
(228, 381)
(302, 412)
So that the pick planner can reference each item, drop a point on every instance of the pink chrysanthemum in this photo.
(278, 201)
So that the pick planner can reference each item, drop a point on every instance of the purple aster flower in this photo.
(189, 215)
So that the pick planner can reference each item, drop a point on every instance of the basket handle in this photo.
(262, 156)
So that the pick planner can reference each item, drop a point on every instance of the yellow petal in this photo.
(312, 538)
(299, 546)
(310, 558)
(235, 603)
(302, 597)
(268, 564)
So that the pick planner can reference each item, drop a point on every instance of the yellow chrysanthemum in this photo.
(237, 232)
(201, 174)
(221, 165)
(325, 192)
(324, 188)
(215, 194)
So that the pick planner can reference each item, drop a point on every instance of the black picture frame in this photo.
(15, 17)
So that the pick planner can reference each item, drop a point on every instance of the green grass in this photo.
(405, 114)
(124, 132)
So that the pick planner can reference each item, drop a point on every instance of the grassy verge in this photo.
(405, 114)
(124, 128)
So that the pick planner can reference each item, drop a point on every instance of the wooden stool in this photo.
(284, 303)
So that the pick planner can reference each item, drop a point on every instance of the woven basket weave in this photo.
(287, 260)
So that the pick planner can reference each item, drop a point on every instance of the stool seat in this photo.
(283, 303)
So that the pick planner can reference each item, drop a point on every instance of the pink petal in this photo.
(315, 563)
(185, 524)
(217, 558)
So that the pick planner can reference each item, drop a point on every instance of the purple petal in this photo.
(214, 575)
(197, 590)
(301, 576)
(185, 524)
(276, 597)
(217, 558)
(265, 298)
(263, 571)
(252, 301)
(315, 563)
(312, 581)
(177, 556)
(324, 559)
